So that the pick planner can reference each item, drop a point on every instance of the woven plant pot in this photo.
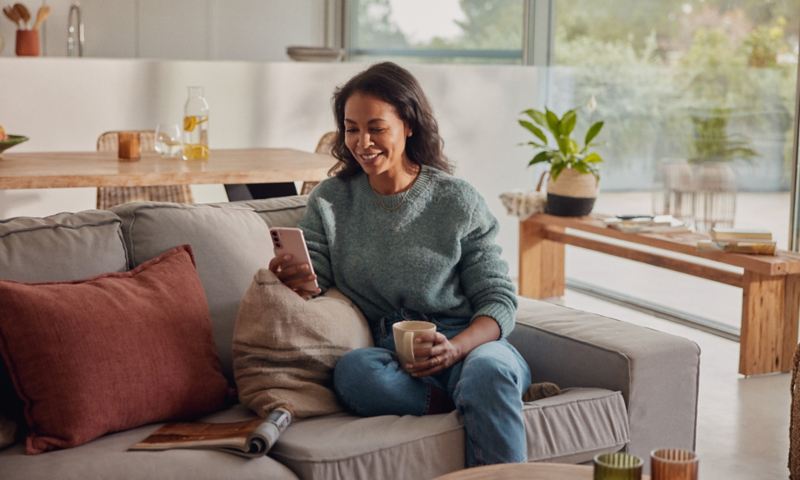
(572, 194)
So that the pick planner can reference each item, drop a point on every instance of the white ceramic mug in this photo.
(404, 333)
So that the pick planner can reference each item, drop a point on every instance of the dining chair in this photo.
(325, 145)
(108, 197)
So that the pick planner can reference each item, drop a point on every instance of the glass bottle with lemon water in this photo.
(195, 126)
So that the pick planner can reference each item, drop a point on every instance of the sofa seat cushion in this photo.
(571, 427)
(655, 371)
(107, 457)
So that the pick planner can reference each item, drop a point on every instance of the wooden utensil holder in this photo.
(27, 43)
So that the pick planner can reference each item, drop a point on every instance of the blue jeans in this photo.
(486, 388)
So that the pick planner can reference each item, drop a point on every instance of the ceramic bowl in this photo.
(315, 54)
(10, 141)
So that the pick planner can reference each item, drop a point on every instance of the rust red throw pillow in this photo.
(112, 352)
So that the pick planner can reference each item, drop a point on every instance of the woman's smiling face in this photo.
(375, 134)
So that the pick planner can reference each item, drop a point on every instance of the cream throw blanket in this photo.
(285, 348)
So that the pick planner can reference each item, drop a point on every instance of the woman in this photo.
(405, 240)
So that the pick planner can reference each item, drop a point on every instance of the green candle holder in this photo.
(617, 466)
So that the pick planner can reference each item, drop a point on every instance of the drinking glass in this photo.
(617, 466)
(168, 139)
(673, 464)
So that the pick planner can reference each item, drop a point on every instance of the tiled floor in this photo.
(743, 423)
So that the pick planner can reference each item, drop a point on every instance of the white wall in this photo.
(63, 104)
(258, 30)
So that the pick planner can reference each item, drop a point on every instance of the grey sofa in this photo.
(627, 387)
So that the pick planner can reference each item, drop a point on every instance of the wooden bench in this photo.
(770, 284)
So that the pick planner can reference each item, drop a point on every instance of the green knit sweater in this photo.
(430, 249)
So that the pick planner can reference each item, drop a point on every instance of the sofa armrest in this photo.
(656, 372)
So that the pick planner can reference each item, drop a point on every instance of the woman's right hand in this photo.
(294, 276)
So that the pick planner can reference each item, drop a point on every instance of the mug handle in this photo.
(408, 340)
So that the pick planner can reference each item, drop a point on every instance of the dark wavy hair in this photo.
(396, 86)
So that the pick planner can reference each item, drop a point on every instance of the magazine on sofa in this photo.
(249, 438)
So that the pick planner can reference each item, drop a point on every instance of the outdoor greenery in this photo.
(376, 27)
(712, 141)
(566, 152)
(702, 81)
(486, 24)
(674, 79)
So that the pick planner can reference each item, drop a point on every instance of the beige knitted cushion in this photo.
(285, 348)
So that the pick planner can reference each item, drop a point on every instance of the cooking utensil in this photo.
(41, 16)
(24, 14)
(12, 15)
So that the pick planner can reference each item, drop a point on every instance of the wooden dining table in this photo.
(104, 169)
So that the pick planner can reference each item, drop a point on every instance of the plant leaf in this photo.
(563, 145)
(592, 132)
(533, 144)
(534, 130)
(555, 170)
(553, 123)
(539, 118)
(540, 157)
(573, 146)
(568, 122)
(581, 167)
(536, 116)
(593, 157)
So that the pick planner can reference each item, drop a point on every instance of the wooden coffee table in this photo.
(770, 283)
(525, 471)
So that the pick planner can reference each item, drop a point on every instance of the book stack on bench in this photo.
(740, 240)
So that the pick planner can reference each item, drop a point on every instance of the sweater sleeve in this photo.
(484, 274)
(317, 241)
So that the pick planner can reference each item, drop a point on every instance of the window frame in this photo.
(537, 34)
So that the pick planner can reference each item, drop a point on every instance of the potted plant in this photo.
(574, 176)
(713, 179)
(702, 189)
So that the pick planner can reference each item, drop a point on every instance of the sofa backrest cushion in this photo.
(112, 352)
(278, 212)
(230, 243)
(62, 247)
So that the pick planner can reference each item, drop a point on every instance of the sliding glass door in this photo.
(699, 103)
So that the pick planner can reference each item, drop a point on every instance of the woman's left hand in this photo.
(441, 355)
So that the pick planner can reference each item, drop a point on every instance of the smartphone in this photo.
(290, 241)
